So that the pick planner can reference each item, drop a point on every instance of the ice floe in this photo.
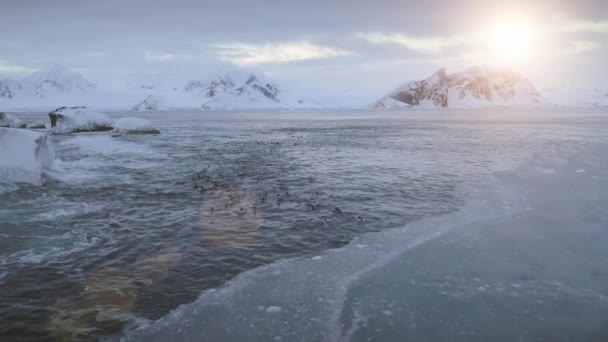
(25, 156)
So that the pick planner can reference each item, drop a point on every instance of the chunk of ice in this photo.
(273, 309)
(25, 156)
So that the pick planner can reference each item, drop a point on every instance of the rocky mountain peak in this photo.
(478, 86)
(9, 88)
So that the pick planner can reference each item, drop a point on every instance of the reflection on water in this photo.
(136, 225)
(231, 219)
(105, 303)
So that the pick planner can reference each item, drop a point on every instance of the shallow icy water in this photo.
(134, 226)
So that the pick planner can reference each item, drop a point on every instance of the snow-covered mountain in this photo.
(578, 96)
(48, 84)
(54, 86)
(475, 87)
(56, 81)
(9, 88)
(225, 91)
(58, 87)
(235, 89)
(151, 103)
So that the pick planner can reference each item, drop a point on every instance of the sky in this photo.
(355, 50)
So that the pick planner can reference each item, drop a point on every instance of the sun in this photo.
(510, 41)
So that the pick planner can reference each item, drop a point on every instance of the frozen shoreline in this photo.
(432, 271)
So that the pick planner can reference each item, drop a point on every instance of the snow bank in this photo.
(78, 119)
(25, 156)
(134, 126)
(10, 121)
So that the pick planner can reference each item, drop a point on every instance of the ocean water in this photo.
(325, 226)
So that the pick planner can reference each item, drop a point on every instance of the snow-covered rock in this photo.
(11, 121)
(476, 87)
(25, 156)
(134, 126)
(78, 119)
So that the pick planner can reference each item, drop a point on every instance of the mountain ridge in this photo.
(224, 91)
(240, 90)
(473, 88)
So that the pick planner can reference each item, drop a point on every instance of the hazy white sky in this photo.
(354, 48)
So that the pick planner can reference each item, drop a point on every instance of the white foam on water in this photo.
(96, 152)
(47, 249)
(106, 145)
(80, 119)
(67, 210)
(133, 125)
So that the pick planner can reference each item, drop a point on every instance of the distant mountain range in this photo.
(568, 95)
(58, 86)
(234, 90)
(226, 91)
(475, 87)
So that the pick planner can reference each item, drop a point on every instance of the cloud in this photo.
(166, 56)
(583, 26)
(578, 47)
(249, 54)
(94, 54)
(8, 67)
(431, 44)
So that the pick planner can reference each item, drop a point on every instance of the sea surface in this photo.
(315, 225)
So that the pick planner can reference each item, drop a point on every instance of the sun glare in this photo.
(511, 41)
